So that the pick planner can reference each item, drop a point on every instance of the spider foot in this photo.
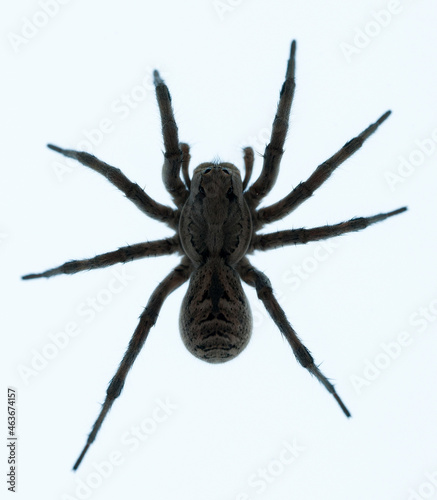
(314, 370)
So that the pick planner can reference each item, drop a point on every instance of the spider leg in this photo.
(124, 254)
(248, 166)
(173, 156)
(132, 191)
(186, 157)
(171, 282)
(261, 283)
(302, 236)
(305, 189)
(274, 150)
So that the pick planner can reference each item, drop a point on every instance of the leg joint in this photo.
(351, 146)
(303, 355)
(263, 287)
(305, 189)
(115, 387)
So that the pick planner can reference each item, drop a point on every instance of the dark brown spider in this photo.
(216, 223)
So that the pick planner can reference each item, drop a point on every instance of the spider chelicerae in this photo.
(216, 226)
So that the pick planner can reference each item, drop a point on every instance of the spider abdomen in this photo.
(215, 320)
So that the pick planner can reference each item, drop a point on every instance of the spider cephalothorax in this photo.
(216, 223)
(215, 220)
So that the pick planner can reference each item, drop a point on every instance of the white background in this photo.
(229, 433)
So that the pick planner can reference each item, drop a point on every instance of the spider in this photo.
(216, 226)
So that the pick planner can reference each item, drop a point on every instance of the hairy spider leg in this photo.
(261, 283)
(303, 235)
(173, 155)
(128, 253)
(171, 282)
(132, 191)
(305, 189)
(274, 150)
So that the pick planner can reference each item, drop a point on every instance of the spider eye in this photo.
(230, 193)
(201, 190)
(207, 170)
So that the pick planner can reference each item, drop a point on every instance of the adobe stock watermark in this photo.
(32, 24)
(407, 165)
(426, 489)
(259, 141)
(259, 481)
(120, 108)
(293, 279)
(363, 36)
(419, 321)
(224, 7)
(299, 273)
(130, 442)
(87, 310)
